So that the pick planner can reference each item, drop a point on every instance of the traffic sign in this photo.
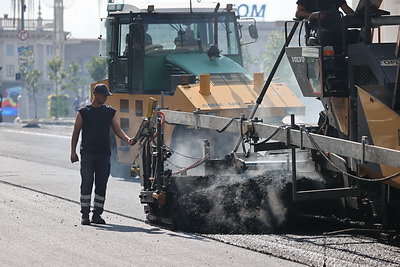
(23, 35)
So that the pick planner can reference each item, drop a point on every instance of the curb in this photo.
(33, 122)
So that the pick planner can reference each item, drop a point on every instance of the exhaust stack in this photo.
(205, 84)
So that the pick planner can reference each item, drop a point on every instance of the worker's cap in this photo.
(101, 89)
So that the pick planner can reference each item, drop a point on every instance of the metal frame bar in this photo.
(338, 146)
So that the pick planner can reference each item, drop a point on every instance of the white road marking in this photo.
(38, 134)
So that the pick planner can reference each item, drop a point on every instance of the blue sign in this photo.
(252, 10)
(266, 10)
(10, 111)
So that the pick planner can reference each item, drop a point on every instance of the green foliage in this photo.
(74, 80)
(56, 72)
(30, 74)
(97, 68)
(284, 72)
(58, 106)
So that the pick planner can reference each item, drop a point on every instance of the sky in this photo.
(82, 17)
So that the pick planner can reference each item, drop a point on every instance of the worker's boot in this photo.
(96, 218)
(85, 219)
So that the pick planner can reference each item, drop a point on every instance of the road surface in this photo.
(40, 219)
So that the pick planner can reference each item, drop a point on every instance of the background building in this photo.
(21, 30)
(47, 39)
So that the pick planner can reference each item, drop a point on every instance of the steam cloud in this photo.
(258, 201)
(235, 204)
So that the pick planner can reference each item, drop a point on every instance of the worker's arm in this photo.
(346, 9)
(75, 137)
(302, 13)
(120, 133)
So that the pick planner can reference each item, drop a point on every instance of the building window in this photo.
(10, 71)
(139, 108)
(124, 124)
(49, 50)
(124, 105)
(10, 50)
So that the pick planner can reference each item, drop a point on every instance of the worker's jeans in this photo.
(94, 168)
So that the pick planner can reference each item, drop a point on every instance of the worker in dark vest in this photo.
(330, 32)
(326, 30)
(95, 120)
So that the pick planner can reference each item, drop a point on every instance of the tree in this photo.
(56, 72)
(97, 68)
(74, 80)
(30, 74)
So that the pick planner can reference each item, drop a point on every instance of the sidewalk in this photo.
(46, 121)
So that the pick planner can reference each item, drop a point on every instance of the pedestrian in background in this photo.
(87, 101)
(77, 103)
(326, 30)
(95, 121)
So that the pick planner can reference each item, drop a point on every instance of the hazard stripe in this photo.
(99, 197)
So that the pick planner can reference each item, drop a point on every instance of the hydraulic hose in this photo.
(383, 179)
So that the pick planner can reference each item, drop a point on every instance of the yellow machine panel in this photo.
(384, 125)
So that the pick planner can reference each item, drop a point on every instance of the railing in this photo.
(7, 24)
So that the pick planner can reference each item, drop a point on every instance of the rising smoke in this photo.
(250, 203)
(257, 201)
